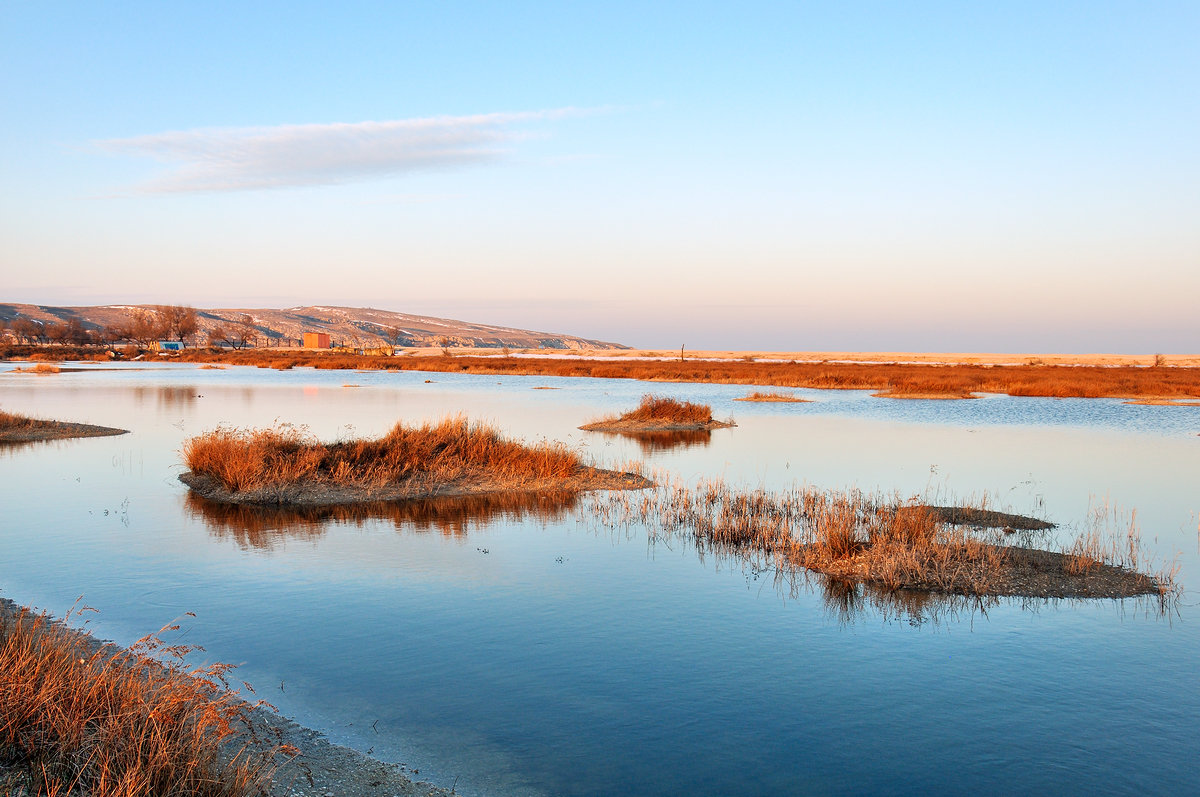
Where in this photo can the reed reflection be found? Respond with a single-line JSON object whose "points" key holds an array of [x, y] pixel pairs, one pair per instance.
{"points": [[265, 528], [166, 397], [658, 441]]}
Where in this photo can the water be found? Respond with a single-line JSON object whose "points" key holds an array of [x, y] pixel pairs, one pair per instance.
{"points": [[521, 649]]}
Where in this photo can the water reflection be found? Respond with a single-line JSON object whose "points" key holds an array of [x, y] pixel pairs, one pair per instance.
{"points": [[265, 528], [167, 396], [653, 442]]}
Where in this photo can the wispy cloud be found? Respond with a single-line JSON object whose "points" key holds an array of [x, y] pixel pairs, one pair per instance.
{"points": [[236, 159]]}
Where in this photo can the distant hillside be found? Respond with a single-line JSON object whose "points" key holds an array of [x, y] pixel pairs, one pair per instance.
{"points": [[351, 326]]}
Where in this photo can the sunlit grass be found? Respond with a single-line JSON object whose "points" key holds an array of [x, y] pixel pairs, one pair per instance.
{"points": [[136, 723], [448, 451], [899, 379]]}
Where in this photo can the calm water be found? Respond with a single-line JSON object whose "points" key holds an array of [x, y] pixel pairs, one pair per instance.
{"points": [[521, 649]]}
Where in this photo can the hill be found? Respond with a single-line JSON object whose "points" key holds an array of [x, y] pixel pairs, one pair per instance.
{"points": [[351, 326]]}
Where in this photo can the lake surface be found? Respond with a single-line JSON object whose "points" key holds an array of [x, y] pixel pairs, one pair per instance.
{"points": [[522, 648]]}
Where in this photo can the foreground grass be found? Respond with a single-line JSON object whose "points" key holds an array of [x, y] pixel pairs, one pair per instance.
{"points": [[283, 465], [889, 545], [78, 719]]}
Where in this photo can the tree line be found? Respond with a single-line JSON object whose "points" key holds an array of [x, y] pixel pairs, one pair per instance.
{"points": [[141, 327]]}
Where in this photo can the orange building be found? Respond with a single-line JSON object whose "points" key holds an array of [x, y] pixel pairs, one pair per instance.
{"points": [[316, 340]]}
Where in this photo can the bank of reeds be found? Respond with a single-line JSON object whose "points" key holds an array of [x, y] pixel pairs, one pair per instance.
{"points": [[14, 422], [448, 457], [1059, 381], [79, 719], [888, 544]]}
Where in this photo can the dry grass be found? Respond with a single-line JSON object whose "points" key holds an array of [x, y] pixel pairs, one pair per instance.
{"points": [[450, 451], [892, 378], [663, 409], [12, 422], [39, 368], [78, 720], [772, 395], [659, 413], [889, 544]]}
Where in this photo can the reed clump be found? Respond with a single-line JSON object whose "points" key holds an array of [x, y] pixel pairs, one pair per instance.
{"points": [[660, 413], [16, 428], [889, 544], [13, 422], [78, 719], [284, 464], [771, 396]]}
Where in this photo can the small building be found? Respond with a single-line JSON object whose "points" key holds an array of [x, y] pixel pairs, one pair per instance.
{"points": [[316, 340], [167, 345]]}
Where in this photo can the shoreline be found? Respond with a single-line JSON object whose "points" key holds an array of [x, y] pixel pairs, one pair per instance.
{"points": [[321, 767], [320, 494], [622, 425], [43, 430]]}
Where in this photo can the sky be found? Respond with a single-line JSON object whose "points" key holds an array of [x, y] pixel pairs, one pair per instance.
{"points": [[918, 176]]}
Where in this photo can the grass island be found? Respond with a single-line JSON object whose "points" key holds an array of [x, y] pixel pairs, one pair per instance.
{"points": [[660, 414], [283, 466], [16, 428]]}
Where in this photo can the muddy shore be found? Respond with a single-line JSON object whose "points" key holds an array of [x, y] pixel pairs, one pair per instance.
{"points": [[624, 425], [320, 493], [40, 430]]}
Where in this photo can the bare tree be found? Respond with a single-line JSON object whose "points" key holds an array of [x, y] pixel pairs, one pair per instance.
{"points": [[243, 332], [178, 321], [218, 336], [27, 330], [72, 332]]}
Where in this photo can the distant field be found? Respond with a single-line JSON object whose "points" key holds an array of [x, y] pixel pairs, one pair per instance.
{"points": [[1166, 378], [1094, 376]]}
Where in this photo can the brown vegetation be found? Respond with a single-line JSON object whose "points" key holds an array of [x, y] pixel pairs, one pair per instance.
{"points": [[1060, 381], [16, 428], [660, 413], [771, 395], [79, 719], [887, 544], [283, 465]]}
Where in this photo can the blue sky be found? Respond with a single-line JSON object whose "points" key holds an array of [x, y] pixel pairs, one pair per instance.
{"points": [[794, 176]]}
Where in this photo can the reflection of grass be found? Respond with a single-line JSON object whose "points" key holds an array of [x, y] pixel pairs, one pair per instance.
{"points": [[263, 527], [658, 440], [76, 720], [888, 544]]}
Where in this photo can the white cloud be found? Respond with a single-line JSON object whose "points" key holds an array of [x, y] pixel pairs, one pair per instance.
{"points": [[235, 159]]}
